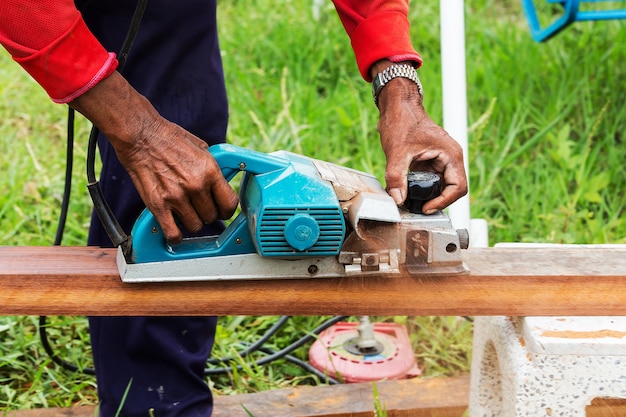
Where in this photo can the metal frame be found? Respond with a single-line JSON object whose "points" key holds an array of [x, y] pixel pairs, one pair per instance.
{"points": [[571, 14]]}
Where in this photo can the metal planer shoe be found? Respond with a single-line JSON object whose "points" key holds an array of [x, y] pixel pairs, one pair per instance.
{"points": [[303, 218]]}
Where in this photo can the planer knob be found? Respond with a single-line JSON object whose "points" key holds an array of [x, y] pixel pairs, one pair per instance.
{"points": [[422, 186], [301, 231]]}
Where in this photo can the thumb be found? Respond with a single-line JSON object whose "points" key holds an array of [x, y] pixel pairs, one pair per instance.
{"points": [[396, 183]]}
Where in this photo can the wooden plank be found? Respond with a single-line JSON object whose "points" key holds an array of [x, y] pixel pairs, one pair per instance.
{"points": [[606, 407], [503, 281], [417, 397], [442, 397]]}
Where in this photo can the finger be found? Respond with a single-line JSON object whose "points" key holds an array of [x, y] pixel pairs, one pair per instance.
{"points": [[189, 217], [225, 198], [397, 194], [448, 196], [450, 193], [198, 142], [205, 207], [396, 181], [159, 209], [170, 229]]}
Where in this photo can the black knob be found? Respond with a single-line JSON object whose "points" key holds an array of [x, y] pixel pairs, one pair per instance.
{"points": [[422, 186]]}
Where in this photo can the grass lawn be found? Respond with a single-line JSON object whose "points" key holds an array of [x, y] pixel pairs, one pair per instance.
{"points": [[547, 125]]}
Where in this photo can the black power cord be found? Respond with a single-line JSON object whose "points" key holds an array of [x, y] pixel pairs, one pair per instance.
{"points": [[69, 164], [256, 345], [306, 366], [69, 158], [105, 214], [272, 355], [281, 354]]}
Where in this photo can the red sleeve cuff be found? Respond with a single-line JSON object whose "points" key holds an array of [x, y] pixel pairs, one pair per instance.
{"points": [[71, 65], [371, 44]]}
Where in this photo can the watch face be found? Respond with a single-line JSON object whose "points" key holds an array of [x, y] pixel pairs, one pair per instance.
{"points": [[377, 85]]}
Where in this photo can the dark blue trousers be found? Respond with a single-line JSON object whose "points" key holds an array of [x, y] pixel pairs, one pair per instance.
{"points": [[175, 62]]}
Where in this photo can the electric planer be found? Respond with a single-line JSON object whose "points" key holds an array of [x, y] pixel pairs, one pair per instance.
{"points": [[303, 218]]}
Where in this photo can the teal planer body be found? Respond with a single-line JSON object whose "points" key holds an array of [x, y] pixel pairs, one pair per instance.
{"points": [[299, 218], [287, 210]]}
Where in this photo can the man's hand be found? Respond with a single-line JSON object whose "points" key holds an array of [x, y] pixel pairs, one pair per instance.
{"points": [[172, 170], [412, 141]]}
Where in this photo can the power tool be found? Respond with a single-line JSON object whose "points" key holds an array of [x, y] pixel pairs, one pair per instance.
{"points": [[303, 218]]}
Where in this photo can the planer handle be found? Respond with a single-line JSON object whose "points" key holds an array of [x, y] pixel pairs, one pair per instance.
{"points": [[233, 159]]}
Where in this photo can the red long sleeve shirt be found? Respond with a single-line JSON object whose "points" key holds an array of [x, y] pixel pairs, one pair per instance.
{"points": [[50, 40]]}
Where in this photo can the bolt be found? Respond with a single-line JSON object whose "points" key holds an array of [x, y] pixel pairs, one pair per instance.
{"points": [[451, 247]]}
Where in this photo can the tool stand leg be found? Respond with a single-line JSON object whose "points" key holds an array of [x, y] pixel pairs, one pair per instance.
{"points": [[546, 366]]}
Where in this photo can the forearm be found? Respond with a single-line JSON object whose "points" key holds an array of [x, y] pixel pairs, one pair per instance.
{"points": [[120, 112]]}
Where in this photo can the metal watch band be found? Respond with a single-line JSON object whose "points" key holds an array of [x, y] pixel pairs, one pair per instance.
{"points": [[394, 71]]}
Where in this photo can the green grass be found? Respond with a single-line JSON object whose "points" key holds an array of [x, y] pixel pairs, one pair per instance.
{"points": [[546, 160]]}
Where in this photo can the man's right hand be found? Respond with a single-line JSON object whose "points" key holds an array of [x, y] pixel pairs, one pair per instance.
{"points": [[172, 170]]}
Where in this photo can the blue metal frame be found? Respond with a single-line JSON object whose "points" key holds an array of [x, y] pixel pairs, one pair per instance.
{"points": [[571, 13]]}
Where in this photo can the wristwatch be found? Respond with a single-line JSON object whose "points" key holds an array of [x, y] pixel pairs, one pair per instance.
{"points": [[394, 71]]}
